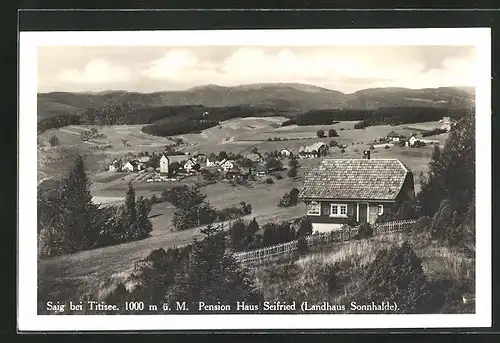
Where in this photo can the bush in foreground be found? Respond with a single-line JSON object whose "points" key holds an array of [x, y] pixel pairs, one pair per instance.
{"points": [[396, 276]]}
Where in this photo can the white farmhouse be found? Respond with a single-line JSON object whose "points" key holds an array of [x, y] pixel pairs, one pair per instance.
{"points": [[115, 166], [285, 152], [164, 164], [211, 160], [412, 140], [190, 164], [226, 165], [131, 166]]}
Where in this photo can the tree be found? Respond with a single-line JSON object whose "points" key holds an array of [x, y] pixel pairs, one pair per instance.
{"points": [[396, 275], [333, 143], [292, 172], [270, 236], [274, 164], [320, 133], [143, 224], [85, 135], [75, 225], [246, 162], [53, 140], [254, 150], [451, 177], [130, 211], [222, 155], [191, 207], [211, 274], [173, 168], [293, 163], [332, 133], [253, 227], [305, 227], [238, 235]]}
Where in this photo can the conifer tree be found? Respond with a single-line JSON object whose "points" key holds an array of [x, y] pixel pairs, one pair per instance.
{"points": [[212, 275], [143, 224], [77, 210]]}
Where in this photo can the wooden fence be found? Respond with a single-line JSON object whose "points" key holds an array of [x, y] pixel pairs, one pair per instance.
{"points": [[320, 239]]}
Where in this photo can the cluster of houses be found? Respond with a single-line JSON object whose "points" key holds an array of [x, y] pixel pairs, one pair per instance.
{"points": [[446, 124], [190, 163], [315, 150], [408, 142]]}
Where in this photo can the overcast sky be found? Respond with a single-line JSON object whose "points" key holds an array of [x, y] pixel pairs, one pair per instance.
{"points": [[347, 69]]}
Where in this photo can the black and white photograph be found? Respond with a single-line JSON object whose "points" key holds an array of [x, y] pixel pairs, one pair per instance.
{"points": [[260, 179]]}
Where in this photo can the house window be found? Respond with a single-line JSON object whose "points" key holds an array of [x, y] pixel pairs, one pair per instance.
{"points": [[380, 209], [314, 209], [338, 210]]}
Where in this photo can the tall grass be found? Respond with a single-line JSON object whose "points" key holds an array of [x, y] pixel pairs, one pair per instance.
{"points": [[450, 273]]}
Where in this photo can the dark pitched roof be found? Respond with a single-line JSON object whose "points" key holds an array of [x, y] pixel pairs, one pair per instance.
{"points": [[375, 179]]}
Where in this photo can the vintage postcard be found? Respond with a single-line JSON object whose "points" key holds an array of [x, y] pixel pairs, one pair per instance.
{"points": [[259, 179]]}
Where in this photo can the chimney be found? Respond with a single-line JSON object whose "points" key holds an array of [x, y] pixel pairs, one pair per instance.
{"points": [[366, 154]]}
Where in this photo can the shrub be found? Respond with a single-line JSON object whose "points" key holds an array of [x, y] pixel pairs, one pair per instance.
{"points": [[53, 140], [332, 133], [423, 225], [396, 276], [365, 231], [278, 177], [237, 235], [292, 172], [289, 199], [441, 220], [387, 147], [302, 247], [305, 228], [269, 181], [320, 133], [333, 143]]}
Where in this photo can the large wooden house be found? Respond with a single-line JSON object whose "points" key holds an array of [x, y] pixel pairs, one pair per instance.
{"points": [[362, 189]]}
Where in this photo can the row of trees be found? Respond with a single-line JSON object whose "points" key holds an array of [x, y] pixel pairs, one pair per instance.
{"points": [[68, 220], [193, 209], [331, 133], [178, 128], [57, 121], [380, 116], [243, 235], [448, 190]]}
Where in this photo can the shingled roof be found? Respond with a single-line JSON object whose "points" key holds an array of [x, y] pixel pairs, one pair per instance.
{"points": [[356, 179]]}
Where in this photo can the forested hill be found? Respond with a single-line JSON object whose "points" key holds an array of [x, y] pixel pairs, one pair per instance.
{"points": [[294, 98]]}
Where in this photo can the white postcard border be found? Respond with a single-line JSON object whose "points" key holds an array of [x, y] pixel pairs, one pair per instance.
{"points": [[29, 320]]}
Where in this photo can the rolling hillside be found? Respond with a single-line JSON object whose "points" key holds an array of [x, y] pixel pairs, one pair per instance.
{"points": [[288, 96]]}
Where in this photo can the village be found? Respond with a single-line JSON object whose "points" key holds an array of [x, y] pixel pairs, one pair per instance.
{"points": [[174, 165]]}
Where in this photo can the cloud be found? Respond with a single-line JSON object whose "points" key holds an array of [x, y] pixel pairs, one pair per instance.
{"points": [[95, 72], [347, 69]]}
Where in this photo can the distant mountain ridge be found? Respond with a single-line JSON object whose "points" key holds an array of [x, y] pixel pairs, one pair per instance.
{"points": [[294, 97]]}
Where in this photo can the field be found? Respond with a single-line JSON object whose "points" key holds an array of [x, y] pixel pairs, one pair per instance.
{"points": [[237, 136]]}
